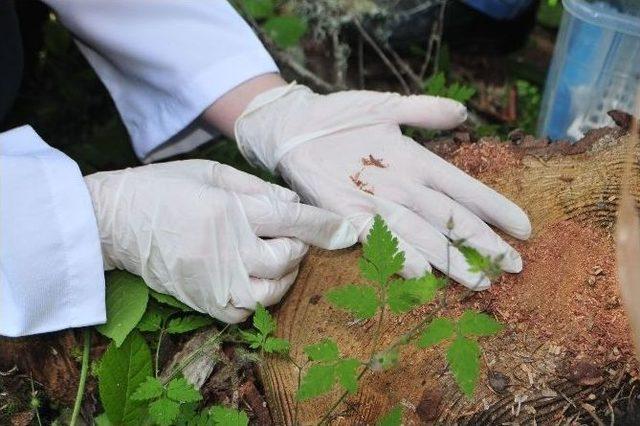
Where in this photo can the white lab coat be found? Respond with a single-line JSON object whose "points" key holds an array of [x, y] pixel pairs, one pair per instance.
{"points": [[163, 62]]}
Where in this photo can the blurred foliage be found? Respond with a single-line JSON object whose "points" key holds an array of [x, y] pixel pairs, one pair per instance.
{"points": [[550, 14], [437, 86], [528, 105], [282, 27]]}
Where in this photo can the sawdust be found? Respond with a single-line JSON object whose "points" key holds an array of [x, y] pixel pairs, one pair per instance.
{"points": [[485, 157], [567, 293]]}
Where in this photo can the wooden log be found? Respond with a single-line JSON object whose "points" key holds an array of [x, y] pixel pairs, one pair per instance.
{"points": [[578, 192]]}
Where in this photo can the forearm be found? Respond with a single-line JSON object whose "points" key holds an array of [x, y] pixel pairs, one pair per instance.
{"points": [[224, 112]]}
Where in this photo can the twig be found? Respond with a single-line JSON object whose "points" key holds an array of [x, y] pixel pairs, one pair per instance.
{"points": [[434, 40], [382, 56], [406, 68], [83, 378], [287, 59], [360, 63], [438, 37]]}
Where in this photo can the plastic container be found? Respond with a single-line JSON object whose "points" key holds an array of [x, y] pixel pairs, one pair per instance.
{"points": [[595, 67]]}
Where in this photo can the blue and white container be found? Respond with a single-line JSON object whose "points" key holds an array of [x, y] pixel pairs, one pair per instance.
{"points": [[595, 67]]}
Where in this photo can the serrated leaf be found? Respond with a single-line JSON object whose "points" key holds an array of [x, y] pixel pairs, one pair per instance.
{"points": [[359, 300], [169, 300], [276, 345], [438, 330], [122, 370], [254, 339], [404, 295], [435, 85], [182, 391], [285, 31], [463, 356], [473, 323], [258, 9], [392, 418], [318, 380], [380, 255], [126, 301], [164, 412], [263, 321], [188, 323], [479, 263], [326, 350], [225, 416], [151, 320], [149, 389], [347, 372]]}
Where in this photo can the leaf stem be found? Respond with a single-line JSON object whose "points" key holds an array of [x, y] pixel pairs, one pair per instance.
{"points": [[157, 355], [83, 377], [33, 394]]}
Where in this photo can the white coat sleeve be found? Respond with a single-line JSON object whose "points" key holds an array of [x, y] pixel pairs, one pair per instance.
{"points": [[165, 61], [51, 273]]}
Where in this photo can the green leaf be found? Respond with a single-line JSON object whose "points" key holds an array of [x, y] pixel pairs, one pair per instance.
{"points": [[126, 301], [263, 321], [182, 391], [276, 345], [225, 416], [359, 300], [254, 339], [347, 373], [151, 320], [404, 295], [460, 92], [318, 380], [464, 360], [258, 9], [169, 300], [188, 323], [473, 323], [151, 388], [122, 370], [102, 420], [380, 255], [326, 350], [392, 418], [478, 263], [438, 330], [285, 31], [164, 412], [435, 85]]}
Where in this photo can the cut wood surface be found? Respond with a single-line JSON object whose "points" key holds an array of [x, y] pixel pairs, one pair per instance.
{"points": [[566, 346]]}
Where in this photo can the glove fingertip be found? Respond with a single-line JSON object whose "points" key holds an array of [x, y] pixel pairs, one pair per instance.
{"points": [[342, 236]]}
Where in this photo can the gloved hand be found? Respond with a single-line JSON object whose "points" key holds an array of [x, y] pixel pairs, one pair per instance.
{"points": [[193, 229], [345, 152]]}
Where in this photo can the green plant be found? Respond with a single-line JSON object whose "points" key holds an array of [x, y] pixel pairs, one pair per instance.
{"points": [[381, 259], [436, 85], [528, 105], [129, 385], [281, 27]]}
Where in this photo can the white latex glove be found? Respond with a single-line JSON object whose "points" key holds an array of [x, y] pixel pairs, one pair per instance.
{"points": [[345, 152], [193, 229]]}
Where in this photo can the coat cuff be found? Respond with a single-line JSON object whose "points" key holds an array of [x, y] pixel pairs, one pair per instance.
{"points": [[51, 273]]}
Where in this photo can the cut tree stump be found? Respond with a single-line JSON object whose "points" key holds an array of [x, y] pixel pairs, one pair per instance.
{"points": [[558, 357]]}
